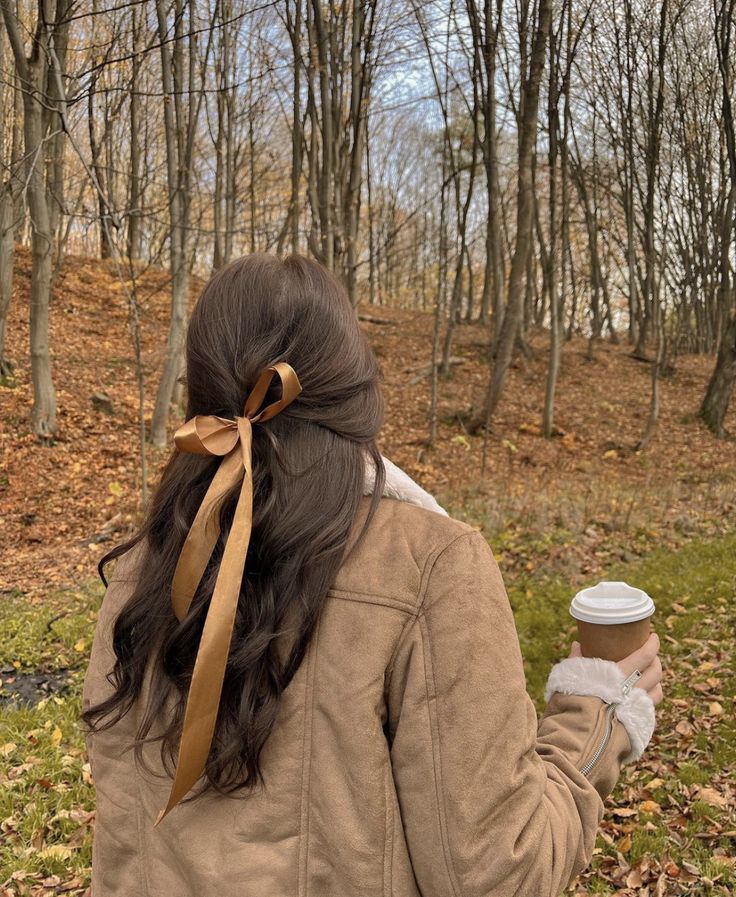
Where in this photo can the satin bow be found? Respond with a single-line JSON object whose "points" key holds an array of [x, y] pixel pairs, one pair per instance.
{"points": [[230, 439]]}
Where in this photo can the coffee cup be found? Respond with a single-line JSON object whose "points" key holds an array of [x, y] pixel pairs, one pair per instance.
{"points": [[613, 619]]}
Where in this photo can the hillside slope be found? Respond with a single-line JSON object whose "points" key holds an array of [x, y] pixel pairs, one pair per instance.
{"points": [[64, 504]]}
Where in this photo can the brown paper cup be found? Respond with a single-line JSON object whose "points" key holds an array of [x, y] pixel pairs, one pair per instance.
{"points": [[614, 641]]}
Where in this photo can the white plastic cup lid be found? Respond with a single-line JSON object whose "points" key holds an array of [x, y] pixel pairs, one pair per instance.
{"points": [[611, 602]]}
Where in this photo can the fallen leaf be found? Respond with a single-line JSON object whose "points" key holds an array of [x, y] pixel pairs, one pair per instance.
{"points": [[710, 796], [684, 728], [55, 851]]}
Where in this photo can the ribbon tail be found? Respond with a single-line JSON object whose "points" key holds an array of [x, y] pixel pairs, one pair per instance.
{"points": [[203, 535], [200, 715]]}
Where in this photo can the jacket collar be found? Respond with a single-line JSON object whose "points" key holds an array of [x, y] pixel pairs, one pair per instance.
{"points": [[401, 486]]}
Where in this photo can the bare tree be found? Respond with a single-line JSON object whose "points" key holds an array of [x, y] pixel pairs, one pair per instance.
{"points": [[39, 126], [11, 187], [340, 72], [622, 221], [226, 69], [294, 19], [519, 264], [181, 80], [720, 388], [135, 189], [486, 29]]}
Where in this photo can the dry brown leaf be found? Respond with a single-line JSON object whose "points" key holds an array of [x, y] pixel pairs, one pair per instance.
{"points": [[710, 796], [684, 728]]}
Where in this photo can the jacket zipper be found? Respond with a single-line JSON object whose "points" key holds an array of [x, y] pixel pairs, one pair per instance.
{"points": [[601, 746]]}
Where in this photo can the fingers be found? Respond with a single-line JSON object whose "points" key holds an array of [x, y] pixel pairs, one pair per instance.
{"points": [[652, 676], [642, 657], [646, 660]]}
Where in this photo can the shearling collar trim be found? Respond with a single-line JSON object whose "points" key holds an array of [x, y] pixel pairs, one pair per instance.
{"points": [[401, 486]]}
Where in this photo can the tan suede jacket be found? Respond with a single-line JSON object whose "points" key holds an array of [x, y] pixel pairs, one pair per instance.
{"points": [[408, 758]]}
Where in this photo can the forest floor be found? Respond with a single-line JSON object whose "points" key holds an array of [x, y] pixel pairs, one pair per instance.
{"points": [[557, 512]]}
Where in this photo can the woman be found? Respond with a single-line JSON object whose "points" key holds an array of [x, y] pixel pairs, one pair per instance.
{"points": [[323, 660]]}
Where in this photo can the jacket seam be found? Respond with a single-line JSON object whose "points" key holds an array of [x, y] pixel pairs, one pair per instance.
{"points": [[437, 755], [388, 831], [303, 868], [434, 728], [391, 600], [431, 564], [427, 570], [368, 598], [141, 840]]}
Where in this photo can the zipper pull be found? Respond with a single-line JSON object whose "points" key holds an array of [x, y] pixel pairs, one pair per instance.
{"points": [[630, 682]]}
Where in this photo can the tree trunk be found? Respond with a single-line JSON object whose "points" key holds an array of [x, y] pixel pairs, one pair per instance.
{"points": [[721, 385], [527, 140], [9, 192], [440, 302], [32, 74], [485, 31], [720, 388], [294, 28], [135, 193], [177, 129], [100, 171], [551, 260], [56, 138], [462, 209], [218, 254], [7, 253]]}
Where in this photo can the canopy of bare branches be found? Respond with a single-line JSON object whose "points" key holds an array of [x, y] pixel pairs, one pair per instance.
{"points": [[569, 165]]}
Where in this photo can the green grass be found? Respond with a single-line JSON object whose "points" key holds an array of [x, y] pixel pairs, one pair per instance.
{"points": [[694, 590], [46, 793], [51, 634], [692, 774], [700, 577]]}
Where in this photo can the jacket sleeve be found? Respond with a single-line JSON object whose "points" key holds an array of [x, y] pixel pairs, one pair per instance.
{"points": [[493, 803]]}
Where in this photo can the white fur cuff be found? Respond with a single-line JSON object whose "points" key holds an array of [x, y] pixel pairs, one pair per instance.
{"points": [[603, 679]]}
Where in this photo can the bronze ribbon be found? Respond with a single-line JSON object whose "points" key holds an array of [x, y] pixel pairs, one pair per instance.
{"points": [[230, 439]]}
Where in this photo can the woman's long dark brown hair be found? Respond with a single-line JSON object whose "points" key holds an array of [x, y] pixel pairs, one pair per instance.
{"points": [[308, 479]]}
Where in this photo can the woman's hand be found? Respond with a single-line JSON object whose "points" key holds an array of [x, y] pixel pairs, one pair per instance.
{"points": [[646, 660]]}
